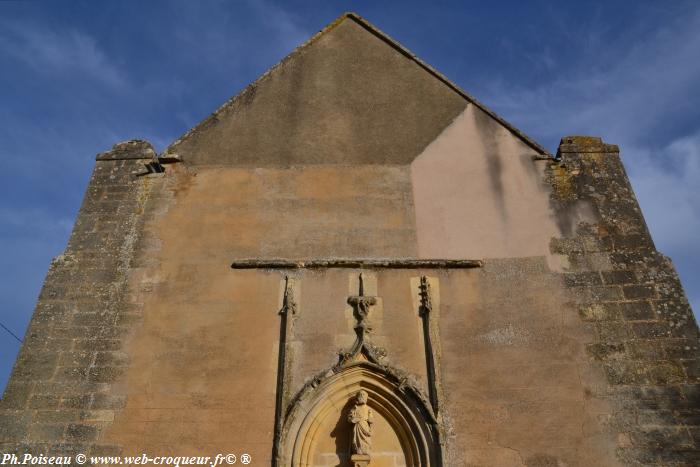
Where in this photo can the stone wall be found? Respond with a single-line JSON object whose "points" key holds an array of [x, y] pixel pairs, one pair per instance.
{"points": [[571, 343], [646, 339], [144, 340], [60, 394]]}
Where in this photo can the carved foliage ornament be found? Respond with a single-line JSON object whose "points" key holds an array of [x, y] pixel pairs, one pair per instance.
{"points": [[361, 305]]}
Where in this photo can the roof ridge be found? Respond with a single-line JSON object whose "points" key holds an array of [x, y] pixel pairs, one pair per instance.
{"points": [[390, 41], [260, 78], [405, 51]]}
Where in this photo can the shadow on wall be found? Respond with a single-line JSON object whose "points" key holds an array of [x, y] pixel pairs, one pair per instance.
{"points": [[342, 433]]}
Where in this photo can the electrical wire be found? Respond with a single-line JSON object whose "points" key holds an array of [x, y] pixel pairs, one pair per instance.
{"points": [[11, 333]]}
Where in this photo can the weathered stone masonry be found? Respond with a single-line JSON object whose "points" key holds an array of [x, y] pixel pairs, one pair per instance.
{"points": [[646, 336], [554, 333], [60, 394]]}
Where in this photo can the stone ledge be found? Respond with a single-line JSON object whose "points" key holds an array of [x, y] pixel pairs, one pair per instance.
{"points": [[585, 144], [406, 263], [132, 149]]}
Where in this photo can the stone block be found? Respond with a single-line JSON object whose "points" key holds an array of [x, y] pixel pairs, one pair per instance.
{"points": [[80, 401], [657, 418], [575, 279], [613, 331], [689, 457], [650, 329], [108, 401], [16, 394], [619, 277], [605, 351], [664, 373], [61, 416], [98, 416], [105, 374], [35, 366], [76, 358], [681, 349], [635, 292], [636, 456], [692, 369], [42, 432], [70, 374], [600, 293], [43, 401], [14, 425], [662, 437], [599, 312], [636, 311], [97, 344], [624, 372], [644, 349], [82, 433]]}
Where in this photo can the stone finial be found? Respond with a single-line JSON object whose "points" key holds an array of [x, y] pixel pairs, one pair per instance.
{"points": [[289, 305], [426, 301], [361, 304]]}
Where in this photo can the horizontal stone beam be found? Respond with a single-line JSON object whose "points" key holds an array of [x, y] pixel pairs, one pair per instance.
{"points": [[407, 263]]}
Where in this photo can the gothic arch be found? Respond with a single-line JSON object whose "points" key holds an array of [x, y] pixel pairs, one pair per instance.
{"points": [[401, 404]]}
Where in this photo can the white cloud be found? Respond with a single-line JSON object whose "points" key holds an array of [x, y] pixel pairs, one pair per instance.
{"points": [[48, 51], [621, 92], [631, 93], [669, 192]]}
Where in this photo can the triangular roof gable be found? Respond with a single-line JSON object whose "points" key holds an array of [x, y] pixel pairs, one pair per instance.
{"points": [[395, 44], [248, 94]]}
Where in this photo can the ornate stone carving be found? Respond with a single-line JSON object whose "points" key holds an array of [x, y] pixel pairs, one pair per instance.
{"points": [[361, 417], [424, 310], [287, 312], [361, 374], [426, 301], [361, 305], [288, 303]]}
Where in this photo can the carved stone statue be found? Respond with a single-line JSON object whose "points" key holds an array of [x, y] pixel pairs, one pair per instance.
{"points": [[362, 418]]}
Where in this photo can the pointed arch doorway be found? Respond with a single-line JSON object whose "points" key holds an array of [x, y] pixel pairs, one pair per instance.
{"points": [[318, 433], [360, 411]]}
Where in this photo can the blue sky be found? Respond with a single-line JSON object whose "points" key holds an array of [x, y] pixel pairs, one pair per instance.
{"points": [[79, 76]]}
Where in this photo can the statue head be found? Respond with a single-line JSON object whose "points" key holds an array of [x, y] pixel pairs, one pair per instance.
{"points": [[362, 397]]}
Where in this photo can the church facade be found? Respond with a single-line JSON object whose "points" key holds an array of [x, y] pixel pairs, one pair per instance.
{"points": [[353, 262]]}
